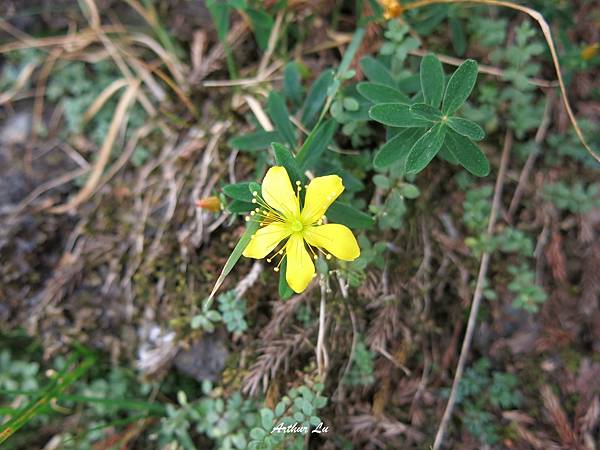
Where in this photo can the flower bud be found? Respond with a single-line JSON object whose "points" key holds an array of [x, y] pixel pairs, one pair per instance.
{"points": [[212, 204]]}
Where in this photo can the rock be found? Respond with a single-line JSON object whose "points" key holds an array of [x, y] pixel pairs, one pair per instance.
{"points": [[205, 359]]}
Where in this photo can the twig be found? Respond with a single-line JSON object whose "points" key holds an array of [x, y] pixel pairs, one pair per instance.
{"points": [[271, 45], [104, 154], [483, 68], [259, 113], [483, 268], [344, 291], [539, 138], [246, 283], [322, 356]]}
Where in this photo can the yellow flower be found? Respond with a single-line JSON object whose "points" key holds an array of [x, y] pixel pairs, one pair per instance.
{"points": [[391, 8], [303, 229], [590, 51]]}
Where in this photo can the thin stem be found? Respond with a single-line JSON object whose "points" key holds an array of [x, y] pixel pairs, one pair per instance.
{"points": [[322, 356], [483, 268]]}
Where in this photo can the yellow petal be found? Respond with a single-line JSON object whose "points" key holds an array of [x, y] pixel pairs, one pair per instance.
{"points": [[336, 239], [265, 240], [320, 194], [300, 267], [278, 192]]}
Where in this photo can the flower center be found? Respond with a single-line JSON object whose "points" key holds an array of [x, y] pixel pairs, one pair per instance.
{"points": [[296, 226]]}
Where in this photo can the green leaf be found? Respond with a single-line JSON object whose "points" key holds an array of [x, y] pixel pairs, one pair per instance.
{"points": [[62, 381], [314, 421], [425, 149], [409, 191], [285, 291], [262, 24], [350, 104], [280, 409], [467, 154], [233, 258], [424, 111], [315, 145], [432, 80], [410, 84], [348, 215], [292, 87], [254, 187], [258, 140], [466, 128], [396, 115], [321, 266], [238, 191], [257, 433], [307, 408], [459, 40], [376, 72], [446, 155], [219, 12], [381, 181], [397, 148], [315, 98], [357, 37], [238, 207], [266, 418], [380, 93], [281, 118], [460, 86], [283, 157]]}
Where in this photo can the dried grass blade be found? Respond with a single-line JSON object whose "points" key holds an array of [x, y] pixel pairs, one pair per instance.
{"points": [[118, 120], [104, 96]]}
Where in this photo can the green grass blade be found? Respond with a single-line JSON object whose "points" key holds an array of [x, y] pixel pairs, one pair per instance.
{"points": [[63, 380], [233, 259]]}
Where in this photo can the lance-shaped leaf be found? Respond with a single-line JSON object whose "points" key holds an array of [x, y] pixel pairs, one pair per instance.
{"points": [[281, 118], [258, 140], [239, 207], [238, 191], [285, 291], [467, 154], [235, 255], [348, 215], [427, 112], [425, 149], [283, 157], [396, 115], [459, 87], [446, 155], [315, 98], [466, 128], [432, 80], [315, 144], [380, 93], [376, 72], [292, 87], [397, 148]]}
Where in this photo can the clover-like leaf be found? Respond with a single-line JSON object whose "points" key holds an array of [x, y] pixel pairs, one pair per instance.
{"points": [[460, 86], [397, 147], [425, 149], [380, 93], [466, 128], [396, 115], [467, 154], [432, 80], [427, 112]]}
